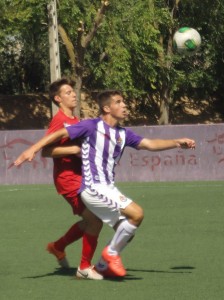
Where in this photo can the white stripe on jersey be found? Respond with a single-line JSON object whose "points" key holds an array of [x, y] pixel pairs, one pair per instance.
{"points": [[110, 161], [100, 139], [122, 134]]}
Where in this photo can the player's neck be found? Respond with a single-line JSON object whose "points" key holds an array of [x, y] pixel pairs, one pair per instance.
{"points": [[69, 112], [111, 121]]}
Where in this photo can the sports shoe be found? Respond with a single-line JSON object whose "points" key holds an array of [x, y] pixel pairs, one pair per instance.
{"points": [[88, 273], [102, 267], [106, 272], [114, 263], [60, 255]]}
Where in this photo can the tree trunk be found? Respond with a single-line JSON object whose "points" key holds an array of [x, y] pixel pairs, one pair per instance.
{"points": [[77, 54], [164, 113], [166, 65], [78, 86], [165, 101]]}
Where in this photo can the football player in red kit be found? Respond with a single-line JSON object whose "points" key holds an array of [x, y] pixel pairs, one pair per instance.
{"points": [[67, 180]]}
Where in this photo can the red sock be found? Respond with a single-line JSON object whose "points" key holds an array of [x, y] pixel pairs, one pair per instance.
{"points": [[72, 235], [89, 243]]}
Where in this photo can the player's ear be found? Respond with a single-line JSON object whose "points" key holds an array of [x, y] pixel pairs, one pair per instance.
{"points": [[57, 99], [106, 108]]}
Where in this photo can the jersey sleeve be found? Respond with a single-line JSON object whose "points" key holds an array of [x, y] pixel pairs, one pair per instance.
{"points": [[54, 125], [81, 130], [132, 139]]}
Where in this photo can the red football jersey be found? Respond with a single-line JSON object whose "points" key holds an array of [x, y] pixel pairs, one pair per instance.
{"points": [[67, 170]]}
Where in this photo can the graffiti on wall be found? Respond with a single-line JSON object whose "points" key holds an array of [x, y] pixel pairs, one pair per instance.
{"points": [[167, 161], [216, 144], [9, 149], [204, 163]]}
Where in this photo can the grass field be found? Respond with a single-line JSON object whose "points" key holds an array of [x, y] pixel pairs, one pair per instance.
{"points": [[177, 254]]}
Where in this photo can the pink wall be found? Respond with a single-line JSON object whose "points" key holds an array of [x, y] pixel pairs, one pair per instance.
{"points": [[206, 162]]}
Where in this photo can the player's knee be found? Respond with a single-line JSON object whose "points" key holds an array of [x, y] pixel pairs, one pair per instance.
{"points": [[98, 224], [93, 223], [134, 213], [139, 216], [94, 226]]}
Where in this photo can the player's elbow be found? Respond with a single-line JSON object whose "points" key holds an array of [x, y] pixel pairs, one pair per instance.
{"points": [[146, 144]]}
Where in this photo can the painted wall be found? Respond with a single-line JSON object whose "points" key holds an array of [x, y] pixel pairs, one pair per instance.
{"points": [[206, 162]]}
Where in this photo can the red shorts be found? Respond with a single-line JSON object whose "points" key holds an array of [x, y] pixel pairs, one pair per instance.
{"points": [[75, 202]]}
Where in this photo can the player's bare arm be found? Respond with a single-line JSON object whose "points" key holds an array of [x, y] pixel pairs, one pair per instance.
{"points": [[29, 154], [159, 144], [61, 151]]}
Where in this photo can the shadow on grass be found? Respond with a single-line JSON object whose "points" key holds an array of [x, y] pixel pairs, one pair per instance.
{"points": [[174, 270], [58, 272], [183, 268], [128, 277], [72, 271]]}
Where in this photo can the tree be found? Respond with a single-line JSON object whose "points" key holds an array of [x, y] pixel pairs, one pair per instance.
{"points": [[23, 46], [132, 50], [76, 50]]}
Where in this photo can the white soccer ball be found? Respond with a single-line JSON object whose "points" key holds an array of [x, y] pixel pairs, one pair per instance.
{"points": [[186, 40]]}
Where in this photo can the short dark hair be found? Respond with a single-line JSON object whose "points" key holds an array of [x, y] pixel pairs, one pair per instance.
{"points": [[54, 87], [104, 98]]}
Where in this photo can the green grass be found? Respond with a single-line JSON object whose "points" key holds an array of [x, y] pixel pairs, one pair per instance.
{"points": [[177, 254]]}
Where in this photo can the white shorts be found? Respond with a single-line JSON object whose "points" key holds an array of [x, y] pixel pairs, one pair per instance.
{"points": [[105, 201]]}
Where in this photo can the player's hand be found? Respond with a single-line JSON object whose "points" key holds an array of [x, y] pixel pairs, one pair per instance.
{"points": [[186, 143], [27, 155]]}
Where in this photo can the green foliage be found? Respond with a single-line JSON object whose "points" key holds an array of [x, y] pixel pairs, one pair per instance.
{"points": [[207, 18], [23, 46], [128, 53], [131, 51]]}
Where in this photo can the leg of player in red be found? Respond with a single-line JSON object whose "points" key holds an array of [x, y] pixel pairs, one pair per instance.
{"points": [[88, 229], [57, 248]]}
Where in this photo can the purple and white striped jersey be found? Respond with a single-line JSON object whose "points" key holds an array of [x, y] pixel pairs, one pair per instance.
{"points": [[102, 147]]}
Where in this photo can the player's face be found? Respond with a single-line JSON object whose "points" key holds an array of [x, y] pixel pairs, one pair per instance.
{"points": [[118, 108], [67, 97]]}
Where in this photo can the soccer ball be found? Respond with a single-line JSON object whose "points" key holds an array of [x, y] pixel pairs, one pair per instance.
{"points": [[186, 40]]}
